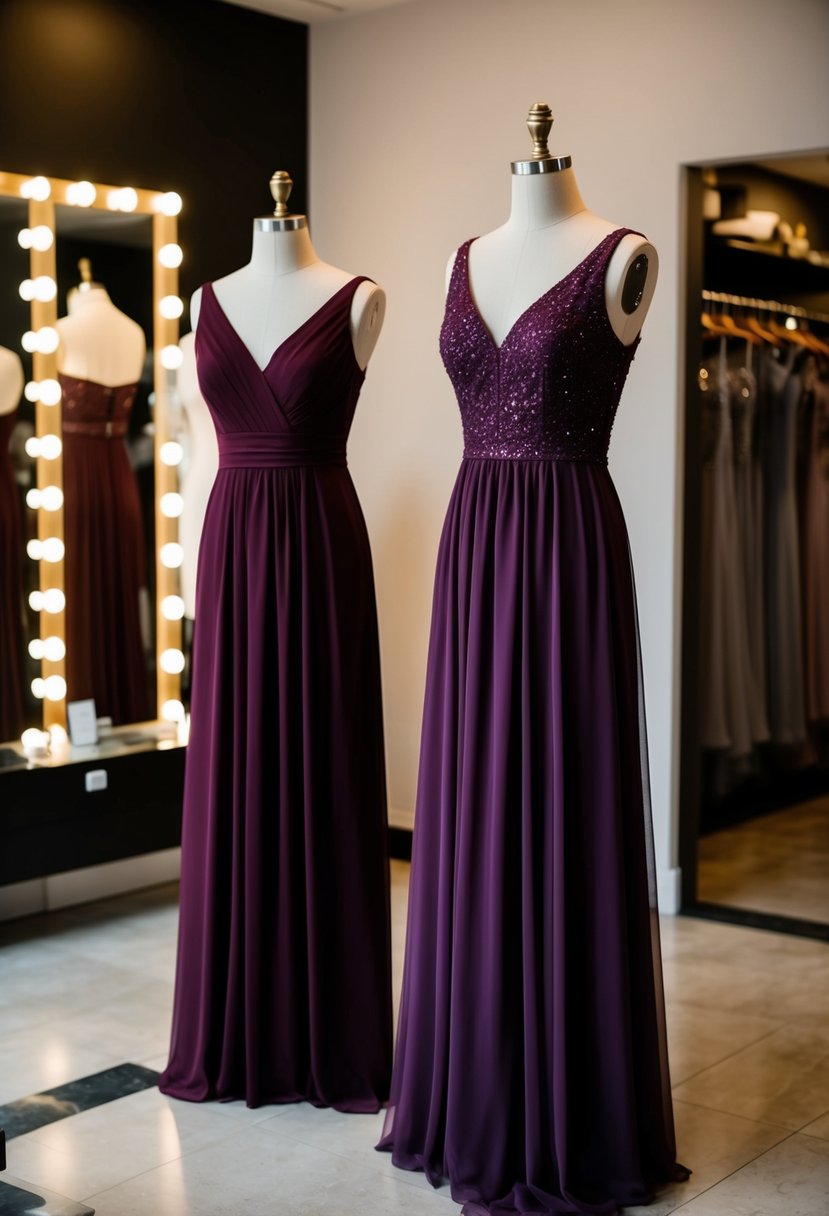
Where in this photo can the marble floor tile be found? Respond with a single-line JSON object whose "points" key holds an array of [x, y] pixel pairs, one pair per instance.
{"points": [[105, 1146], [698, 1038], [712, 1145], [346, 1135], [819, 1128], [782, 1079], [791, 1179], [263, 1173]]}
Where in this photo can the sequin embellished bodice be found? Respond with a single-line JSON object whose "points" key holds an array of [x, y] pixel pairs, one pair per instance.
{"points": [[551, 389]]}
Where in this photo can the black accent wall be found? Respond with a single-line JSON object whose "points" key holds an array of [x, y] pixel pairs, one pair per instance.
{"points": [[197, 96]]}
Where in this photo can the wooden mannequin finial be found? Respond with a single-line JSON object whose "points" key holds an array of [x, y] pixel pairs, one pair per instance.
{"points": [[85, 267]]}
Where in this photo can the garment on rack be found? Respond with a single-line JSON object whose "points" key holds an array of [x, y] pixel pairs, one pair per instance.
{"points": [[732, 709], [815, 551], [782, 388]]}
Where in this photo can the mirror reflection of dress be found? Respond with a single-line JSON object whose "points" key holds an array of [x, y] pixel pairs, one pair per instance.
{"points": [[12, 672], [100, 361]]}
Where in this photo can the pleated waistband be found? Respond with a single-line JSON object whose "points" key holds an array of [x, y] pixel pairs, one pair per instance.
{"points": [[268, 450]]}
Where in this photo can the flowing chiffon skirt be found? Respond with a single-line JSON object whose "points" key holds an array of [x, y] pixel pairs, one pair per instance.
{"points": [[531, 1067], [283, 989]]}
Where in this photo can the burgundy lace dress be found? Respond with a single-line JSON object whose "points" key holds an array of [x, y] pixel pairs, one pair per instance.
{"points": [[531, 1066]]}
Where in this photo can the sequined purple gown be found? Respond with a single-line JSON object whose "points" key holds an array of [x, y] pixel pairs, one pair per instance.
{"points": [[531, 1067], [283, 984]]}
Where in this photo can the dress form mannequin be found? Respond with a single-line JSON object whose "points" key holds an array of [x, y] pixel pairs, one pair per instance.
{"points": [[200, 472], [548, 233], [98, 342], [285, 283], [11, 380]]}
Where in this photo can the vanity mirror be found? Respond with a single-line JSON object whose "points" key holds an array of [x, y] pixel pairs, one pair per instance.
{"points": [[89, 501]]}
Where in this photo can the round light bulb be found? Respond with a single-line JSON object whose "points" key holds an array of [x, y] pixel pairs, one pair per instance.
{"points": [[34, 548], [53, 549], [37, 188], [50, 447], [52, 498], [81, 194], [39, 687], [171, 453], [168, 204], [35, 742], [32, 391], [172, 505], [29, 342], [170, 256], [45, 288], [54, 649], [172, 711], [27, 290], [24, 238], [171, 358], [36, 601], [172, 555], [171, 307], [172, 661], [58, 735], [172, 607], [55, 688], [34, 498], [36, 649], [48, 339], [33, 447], [50, 393], [42, 238], [54, 600]]}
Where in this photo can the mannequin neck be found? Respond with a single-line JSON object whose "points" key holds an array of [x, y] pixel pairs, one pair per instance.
{"points": [[83, 297], [281, 252], [540, 200]]}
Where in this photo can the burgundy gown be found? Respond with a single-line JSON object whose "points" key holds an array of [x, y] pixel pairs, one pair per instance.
{"points": [[531, 1066], [12, 653], [106, 561], [283, 985]]}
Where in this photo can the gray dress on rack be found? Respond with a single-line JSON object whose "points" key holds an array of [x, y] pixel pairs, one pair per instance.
{"points": [[784, 634], [816, 555]]}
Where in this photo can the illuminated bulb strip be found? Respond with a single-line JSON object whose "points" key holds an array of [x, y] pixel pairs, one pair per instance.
{"points": [[172, 505], [172, 607], [171, 307], [172, 661], [53, 601], [172, 555], [172, 711], [170, 255], [124, 199], [167, 204], [171, 453]]}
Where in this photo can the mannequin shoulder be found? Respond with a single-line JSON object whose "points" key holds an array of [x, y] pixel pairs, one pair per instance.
{"points": [[368, 311], [630, 282], [195, 308]]}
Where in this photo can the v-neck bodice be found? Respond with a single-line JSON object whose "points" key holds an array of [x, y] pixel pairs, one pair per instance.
{"points": [[298, 409], [551, 389]]}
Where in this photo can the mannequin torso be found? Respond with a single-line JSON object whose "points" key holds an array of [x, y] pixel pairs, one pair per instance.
{"points": [[99, 342], [284, 284], [548, 233], [11, 380]]}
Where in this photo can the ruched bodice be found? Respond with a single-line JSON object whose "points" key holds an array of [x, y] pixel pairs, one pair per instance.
{"points": [[551, 389], [298, 409]]}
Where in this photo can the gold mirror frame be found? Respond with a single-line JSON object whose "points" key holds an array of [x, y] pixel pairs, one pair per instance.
{"points": [[42, 195]]}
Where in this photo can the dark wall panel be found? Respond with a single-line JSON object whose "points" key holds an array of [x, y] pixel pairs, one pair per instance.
{"points": [[196, 96]]}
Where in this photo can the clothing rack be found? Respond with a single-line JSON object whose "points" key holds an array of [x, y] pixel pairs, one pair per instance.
{"points": [[791, 310]]}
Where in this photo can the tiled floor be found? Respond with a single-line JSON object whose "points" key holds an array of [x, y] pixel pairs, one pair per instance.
{"points": [[777, 863], [85, 989]]}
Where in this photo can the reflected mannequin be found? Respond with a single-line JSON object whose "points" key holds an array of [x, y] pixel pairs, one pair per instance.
{"points": [[100, 360], [12, 674], [198, 471]]}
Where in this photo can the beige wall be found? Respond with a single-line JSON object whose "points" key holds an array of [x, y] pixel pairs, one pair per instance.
{"points": [[416, 113]]}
